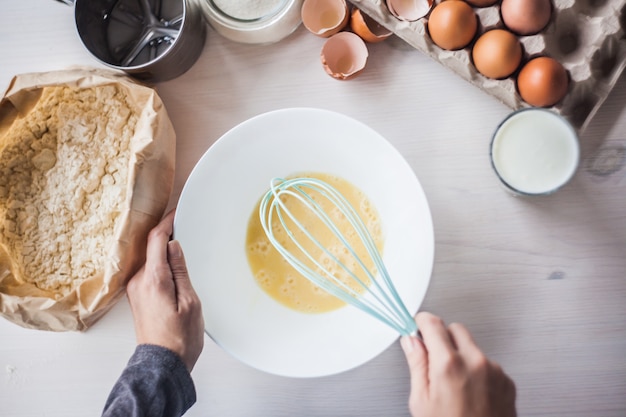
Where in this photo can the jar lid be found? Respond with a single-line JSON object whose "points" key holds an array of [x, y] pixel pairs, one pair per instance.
{"points": [[253, 21]]}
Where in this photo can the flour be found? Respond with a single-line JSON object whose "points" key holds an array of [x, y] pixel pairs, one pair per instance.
{"points": [[63, 176], [248, 9]]}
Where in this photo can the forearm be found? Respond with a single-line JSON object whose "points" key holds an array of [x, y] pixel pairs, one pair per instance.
{"points": [[155, 383]]}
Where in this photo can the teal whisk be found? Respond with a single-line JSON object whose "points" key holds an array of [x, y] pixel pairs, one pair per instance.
{"points": [[379, 299]]}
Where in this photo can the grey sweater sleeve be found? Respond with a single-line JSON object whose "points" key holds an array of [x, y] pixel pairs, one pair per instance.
{"points": [[155, 383]]}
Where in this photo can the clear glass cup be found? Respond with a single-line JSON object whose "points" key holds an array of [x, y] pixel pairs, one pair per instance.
{"points": [[253, 21], [534, 151]]}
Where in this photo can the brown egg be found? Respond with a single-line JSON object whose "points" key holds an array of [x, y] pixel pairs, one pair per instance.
{"points": [[367, 28], [452, 24], [482, 3], [526, 17], [542, 82], [344, 55], [497, 53], [325, 17]]}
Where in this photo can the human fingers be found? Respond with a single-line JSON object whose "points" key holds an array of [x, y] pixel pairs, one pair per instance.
{"points": [[417, 361], [156, 253], [465, 344], [435, 335], [178, 266]]}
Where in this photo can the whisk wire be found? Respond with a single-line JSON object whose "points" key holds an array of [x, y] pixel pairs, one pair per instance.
{"points": [[380, 300], [301, 266], [322, 215], [365, 237]]}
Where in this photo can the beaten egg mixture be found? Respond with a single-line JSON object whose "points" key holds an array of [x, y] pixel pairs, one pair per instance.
{"points": [[281, 281]]}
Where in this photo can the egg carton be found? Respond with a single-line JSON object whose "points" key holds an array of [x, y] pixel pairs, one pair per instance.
{"points": [[588, 37]]}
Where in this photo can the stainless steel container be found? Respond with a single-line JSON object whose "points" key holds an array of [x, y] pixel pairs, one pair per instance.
{"points": [[152, 40]]}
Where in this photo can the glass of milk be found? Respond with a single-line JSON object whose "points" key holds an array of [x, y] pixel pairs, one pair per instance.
{"points": [[534, 151]]}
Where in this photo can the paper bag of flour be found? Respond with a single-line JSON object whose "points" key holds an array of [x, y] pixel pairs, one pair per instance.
{"points": [[86, 170]]}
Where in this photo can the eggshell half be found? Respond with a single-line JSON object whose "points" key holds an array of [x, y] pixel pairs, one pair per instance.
{"points": [[409, 10], [344, 55], [324, 18], [367, 28]]}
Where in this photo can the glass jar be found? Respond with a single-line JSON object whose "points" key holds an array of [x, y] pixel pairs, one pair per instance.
{"points": [[250, 21]]}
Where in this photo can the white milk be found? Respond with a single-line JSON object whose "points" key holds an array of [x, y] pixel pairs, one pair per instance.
{"points": [[535, 151]]}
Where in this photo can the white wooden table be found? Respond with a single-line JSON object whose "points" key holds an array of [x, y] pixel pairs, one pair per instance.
{"points": [[540, 282]]}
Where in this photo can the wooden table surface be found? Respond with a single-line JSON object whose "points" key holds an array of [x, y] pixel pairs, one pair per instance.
{"points": [[541, 282]]}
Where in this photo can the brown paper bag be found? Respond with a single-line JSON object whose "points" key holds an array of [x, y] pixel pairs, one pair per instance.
{"points": [[150, 181]]}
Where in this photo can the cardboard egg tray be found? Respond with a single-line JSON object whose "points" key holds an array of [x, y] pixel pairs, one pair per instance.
{"points": [[588, 37]]}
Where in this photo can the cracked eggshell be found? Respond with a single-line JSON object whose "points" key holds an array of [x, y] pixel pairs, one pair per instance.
{"points": [[409, 10], [324, 18], [367, 28], [344, 55]]}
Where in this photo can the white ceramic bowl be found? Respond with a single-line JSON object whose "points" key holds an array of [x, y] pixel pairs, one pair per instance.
{"points": [[211, 224]]}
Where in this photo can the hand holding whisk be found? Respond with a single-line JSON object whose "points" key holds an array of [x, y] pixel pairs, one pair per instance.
{"points": [[345, 274]]}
